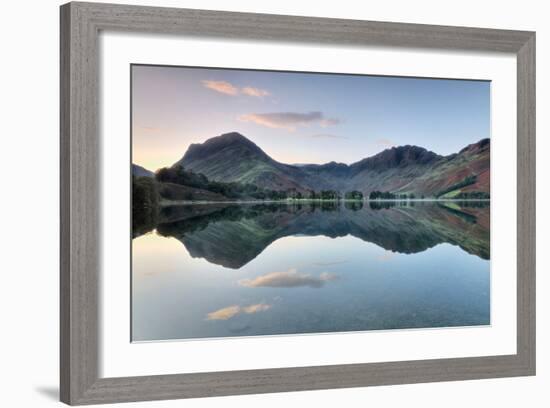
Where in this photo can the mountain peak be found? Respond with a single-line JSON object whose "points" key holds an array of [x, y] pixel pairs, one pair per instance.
{"points": [[223, 140], [231, 137], [139, 171], [399, 156], [477, 147], [232, 142]]}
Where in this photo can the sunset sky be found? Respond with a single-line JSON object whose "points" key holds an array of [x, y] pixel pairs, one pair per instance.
{"points": [[301, 118]]}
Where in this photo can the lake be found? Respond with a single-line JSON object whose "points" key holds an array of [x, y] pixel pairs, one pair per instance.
{"points": [[226, 270]]}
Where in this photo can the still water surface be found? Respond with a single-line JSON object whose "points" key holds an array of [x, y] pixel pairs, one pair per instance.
{"points": [[225, 270]]}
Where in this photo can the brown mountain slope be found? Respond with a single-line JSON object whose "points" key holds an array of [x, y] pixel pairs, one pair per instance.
{"points": [[473, 160]]}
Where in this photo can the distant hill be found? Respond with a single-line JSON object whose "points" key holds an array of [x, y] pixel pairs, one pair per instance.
{"points": [[231, 157], [139, 171]]}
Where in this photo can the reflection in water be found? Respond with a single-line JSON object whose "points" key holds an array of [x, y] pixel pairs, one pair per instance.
{"points": [[233, 235], [231, 311], [354, 205], [289, 279], [262, 269]]}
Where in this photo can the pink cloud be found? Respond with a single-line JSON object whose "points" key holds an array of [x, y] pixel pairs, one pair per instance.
{"points": [[257, 92], [289, 279], [329, 122], [221, 87], [288, 120], [228, 88], [231, 311]]}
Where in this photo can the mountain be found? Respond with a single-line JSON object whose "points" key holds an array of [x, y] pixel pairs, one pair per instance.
{"points": [[232, 235], [396, 157], [472, 161], [231, 157], [412, 169], [139, 171]]}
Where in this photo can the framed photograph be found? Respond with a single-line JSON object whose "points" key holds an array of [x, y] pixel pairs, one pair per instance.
{"points": [[262, 203]]}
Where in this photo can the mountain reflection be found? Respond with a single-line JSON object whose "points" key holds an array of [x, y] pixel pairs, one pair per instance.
{"points": [[232, 235]]}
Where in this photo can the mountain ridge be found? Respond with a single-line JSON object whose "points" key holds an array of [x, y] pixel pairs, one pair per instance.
{"points": [[140, 171], [231, 157]]}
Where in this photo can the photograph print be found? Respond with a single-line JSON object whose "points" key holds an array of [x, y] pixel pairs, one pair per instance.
{"points": [[291, 203]]}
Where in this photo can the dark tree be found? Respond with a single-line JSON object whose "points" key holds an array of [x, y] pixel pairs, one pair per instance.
{"points": [[144, 204], [354, 195]]}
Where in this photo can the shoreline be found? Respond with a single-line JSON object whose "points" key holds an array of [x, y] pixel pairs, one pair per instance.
{"points": [[167, 203]]}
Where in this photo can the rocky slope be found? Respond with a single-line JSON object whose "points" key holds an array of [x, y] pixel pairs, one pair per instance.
{"points": [[407, 169]]}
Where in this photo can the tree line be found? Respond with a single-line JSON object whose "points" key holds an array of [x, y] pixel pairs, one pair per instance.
{"points": [[233, 190], [179, 175], [144, 204], [472, 195], [386, 195]]}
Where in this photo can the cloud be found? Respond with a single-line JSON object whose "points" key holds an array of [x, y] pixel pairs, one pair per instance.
{"points": [[386, 256], [224, 314], [149, 128], [288, 279], [327, 136], [231, 311], [330, 122], [260, 307], [288, 120], [385, 142], [221, 87], [228, 88], [257, 92]]}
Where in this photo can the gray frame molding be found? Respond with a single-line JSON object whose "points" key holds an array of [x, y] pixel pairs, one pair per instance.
{"points": [[80, 234]]}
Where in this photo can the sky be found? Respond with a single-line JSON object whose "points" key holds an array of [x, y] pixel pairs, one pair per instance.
{"points": [[300, 118]]}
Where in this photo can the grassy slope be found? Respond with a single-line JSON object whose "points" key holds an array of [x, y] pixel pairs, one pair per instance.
{"points": [[177, 192], [449, 172], [235, 164]]}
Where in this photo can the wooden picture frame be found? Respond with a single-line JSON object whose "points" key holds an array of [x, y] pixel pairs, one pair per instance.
{"points": [[80, 233]]}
